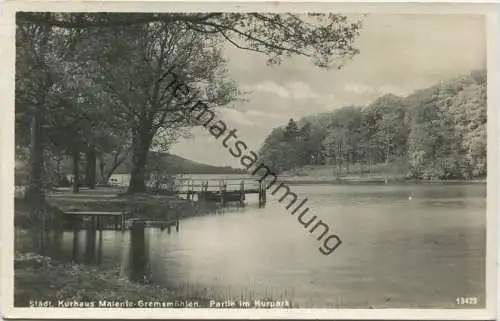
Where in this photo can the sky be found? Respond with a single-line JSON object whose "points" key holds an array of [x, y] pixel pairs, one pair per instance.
{"points": [[398, 54]]}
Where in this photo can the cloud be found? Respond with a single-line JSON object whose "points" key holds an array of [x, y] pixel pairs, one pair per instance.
{"points": [[358, 88], [372, 92], [290, 90], [301, 90], [268, 86], [263, 114], [236, 117]]}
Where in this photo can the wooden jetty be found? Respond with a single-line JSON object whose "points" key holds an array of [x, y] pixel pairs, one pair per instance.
{"points": [[162, 224], [98, 219], [223, 191], [118, 221]]}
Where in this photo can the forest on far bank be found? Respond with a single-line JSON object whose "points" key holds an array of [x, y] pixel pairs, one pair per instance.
{"points": [[434, 133]]}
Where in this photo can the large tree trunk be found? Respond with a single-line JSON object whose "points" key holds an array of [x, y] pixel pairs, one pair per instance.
{"points": [[90, 167], [387, 152], [76, 171], [141, 141], [34, 193], [102, 177]]}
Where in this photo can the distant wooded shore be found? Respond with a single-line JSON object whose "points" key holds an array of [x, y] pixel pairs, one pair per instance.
{"points": [[376, 181], [435, 133]]}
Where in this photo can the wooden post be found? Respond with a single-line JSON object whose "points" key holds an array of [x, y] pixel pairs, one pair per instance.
{"points": [[221, 189], [224, 189], [262, 195], [177, 221], [123, 222], [242, 193]]}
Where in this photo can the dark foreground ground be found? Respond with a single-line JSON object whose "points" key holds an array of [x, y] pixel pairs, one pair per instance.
{"points": [[39, 280]]}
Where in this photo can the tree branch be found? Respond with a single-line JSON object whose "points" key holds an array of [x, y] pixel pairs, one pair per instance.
{"points": [[107, 19]]}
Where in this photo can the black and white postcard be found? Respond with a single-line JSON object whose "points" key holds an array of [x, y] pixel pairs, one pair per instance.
{"points": [[258, 160]]}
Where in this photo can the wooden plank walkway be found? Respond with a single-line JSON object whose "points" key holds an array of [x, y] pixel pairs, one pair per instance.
{"points": [[88, 213], [119, 220], [162, 224], [98, 218]]}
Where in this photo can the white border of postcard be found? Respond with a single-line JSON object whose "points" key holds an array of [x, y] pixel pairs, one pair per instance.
{"points": [[7, 63]]}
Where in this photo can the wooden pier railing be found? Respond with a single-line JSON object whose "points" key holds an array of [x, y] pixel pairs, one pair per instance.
{"points": [[222, 191]]}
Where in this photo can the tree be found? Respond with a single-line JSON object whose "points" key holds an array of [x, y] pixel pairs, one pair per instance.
{"points": [[136, 46], [463, 107], [291, 131], [448, 132], [143, 68], [39, 52], [439, 132], [305, 148], [321, 37], [342, 138], [388, 131], [335, 148], [277, 152], [32, 47], [313, 145]]}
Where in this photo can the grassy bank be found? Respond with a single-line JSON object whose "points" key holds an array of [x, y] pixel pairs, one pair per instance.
{"points": [[40, 278], [142, 205], [106, 199], [396, 172], [392, 171]]}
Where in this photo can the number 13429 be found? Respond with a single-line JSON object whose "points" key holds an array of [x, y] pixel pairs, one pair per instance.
{"points": [[466, 300]]}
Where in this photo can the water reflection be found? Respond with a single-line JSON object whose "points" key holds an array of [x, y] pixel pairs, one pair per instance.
{"points": [[138, 260], [93, 247], [393, 249], [43, 242], [90, 247], [74, 256]]}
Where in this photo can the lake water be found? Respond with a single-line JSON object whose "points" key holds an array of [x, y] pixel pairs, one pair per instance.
{"points": [[396, 252]]}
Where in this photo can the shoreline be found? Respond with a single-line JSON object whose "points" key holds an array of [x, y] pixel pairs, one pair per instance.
{"points": [[146, 206], [297, 180], [43, 282]]}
